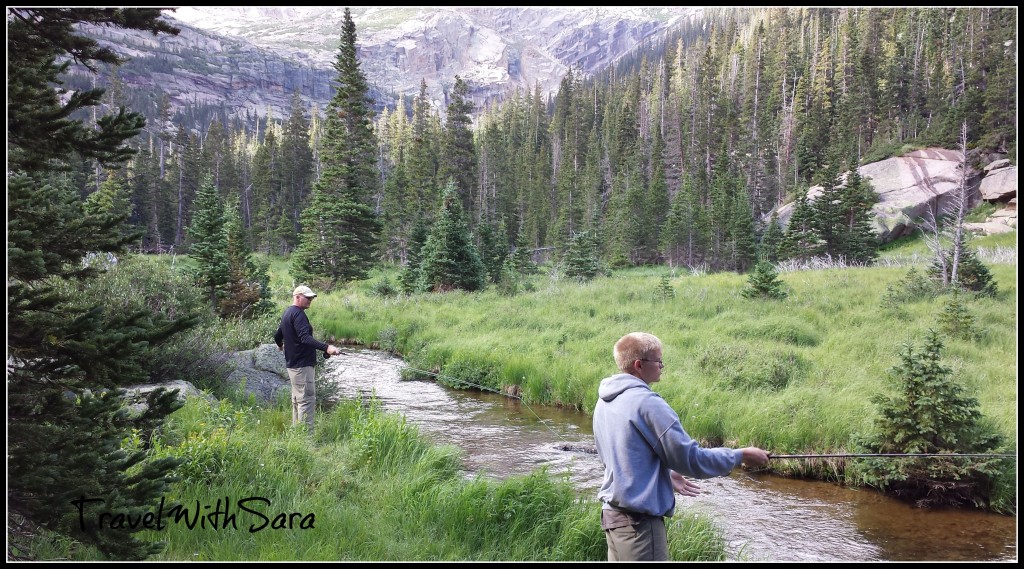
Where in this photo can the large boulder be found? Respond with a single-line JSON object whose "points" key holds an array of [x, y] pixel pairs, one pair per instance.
{"points": [[260, 371], [908, 187]]}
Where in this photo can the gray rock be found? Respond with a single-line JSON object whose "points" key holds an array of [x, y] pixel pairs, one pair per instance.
{"points": [[135, 396], [999, 185], [908, 187], [260, 371]]}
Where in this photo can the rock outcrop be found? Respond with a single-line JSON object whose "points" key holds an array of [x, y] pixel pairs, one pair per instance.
{"points": [[923, 181], [254, 58]]}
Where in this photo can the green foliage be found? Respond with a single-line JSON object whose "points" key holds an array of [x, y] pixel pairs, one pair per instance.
{"points": [[915, 286], [764, 282], [210, 242], [68, 360], [449, 259], [384, 288], [771, 241], [929, 413], [956, 320], [581, 261], [665, 290], [971, 273], [340, 227]]}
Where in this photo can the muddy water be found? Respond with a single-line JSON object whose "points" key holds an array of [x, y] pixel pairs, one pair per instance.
{"points": [[762, 517]]}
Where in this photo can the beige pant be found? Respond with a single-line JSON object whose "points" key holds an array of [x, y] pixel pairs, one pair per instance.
{"points": [[303, 394], [645, 540]]}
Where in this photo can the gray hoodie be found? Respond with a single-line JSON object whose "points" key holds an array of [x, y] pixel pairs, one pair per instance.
{"points": [[639, 438]]}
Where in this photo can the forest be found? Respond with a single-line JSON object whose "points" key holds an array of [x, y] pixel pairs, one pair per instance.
{"points": [[678, 155]]}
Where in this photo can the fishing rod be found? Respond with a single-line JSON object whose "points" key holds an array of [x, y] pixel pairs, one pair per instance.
{"points": [[892, 455]]}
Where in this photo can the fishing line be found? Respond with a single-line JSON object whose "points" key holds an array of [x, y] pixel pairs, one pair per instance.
{"points": [[456, 381]]}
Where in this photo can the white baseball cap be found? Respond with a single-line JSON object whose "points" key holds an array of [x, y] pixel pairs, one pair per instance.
{"points": [[304, 291]]}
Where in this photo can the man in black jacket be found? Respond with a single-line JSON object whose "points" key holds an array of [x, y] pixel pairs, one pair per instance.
{"points": [[295, 337]]}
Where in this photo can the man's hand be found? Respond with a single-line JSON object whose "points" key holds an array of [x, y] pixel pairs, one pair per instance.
{"points": [[753, 456], [683, 486], [333, 351], [280, 348]]}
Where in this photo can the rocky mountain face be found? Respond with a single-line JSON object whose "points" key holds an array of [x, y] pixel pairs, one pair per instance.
{"points": [[257, 57]]}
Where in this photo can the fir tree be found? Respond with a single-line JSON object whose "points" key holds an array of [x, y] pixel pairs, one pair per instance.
{"points": [[449, 258], [67, 363], [802, 239], [581, 261], [248, 284], [764, 282], [210, 243], [340, 228], [971, 275], [929, 413], [771, 241], [410, 275], [458, 159]]}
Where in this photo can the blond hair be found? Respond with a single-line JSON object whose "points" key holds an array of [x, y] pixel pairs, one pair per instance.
{"points": [[634, 346]]}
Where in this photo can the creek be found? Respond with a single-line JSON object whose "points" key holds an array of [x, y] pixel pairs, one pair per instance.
{"points": [[762, 517]]}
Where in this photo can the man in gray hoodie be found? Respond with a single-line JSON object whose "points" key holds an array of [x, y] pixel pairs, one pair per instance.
{"points": [[646, 453]]}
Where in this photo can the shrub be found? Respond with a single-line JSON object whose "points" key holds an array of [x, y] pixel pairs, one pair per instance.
{"points": [[930, 414], [764, 282]]}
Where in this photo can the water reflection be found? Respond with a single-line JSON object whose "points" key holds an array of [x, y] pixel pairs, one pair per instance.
{"points": [[763, 518]]}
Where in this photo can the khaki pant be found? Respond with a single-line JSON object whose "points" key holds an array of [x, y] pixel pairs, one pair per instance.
{"points": [[303, 394], [635, 537]]}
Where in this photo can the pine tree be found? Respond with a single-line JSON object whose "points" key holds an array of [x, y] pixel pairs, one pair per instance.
{"points": [[209, 243], [771, 240], [458, 158], [802, 239], [929, 413], [410, 274], [581, 261], [340, 228], [858, 241], [67, 363], [449, 258], [764, 282], [247, 291]]}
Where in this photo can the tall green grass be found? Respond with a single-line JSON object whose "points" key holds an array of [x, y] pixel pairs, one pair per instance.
{"points": [[366, 486]]}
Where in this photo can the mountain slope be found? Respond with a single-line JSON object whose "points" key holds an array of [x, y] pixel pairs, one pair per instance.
{"points": [[495, 50]]}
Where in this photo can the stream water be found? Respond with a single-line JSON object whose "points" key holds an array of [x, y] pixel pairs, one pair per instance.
{"points": [[763, 517]]}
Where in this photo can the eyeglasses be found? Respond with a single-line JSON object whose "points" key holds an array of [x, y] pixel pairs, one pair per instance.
{"points": [[660, 363]]}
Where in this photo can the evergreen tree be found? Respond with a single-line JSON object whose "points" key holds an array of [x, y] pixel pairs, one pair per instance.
{"points": [[458, 158], [858, 241], [581, 261], [340, 228], [764, 282], [771, 240], [247, 291], [802, 240], [210, 243], [929, 413], [449, 258], [972, 274], [67, 363], [494, 249], [410, 274]]}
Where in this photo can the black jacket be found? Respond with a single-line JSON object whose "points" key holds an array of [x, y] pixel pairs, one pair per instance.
{"points": [[297, 334]]}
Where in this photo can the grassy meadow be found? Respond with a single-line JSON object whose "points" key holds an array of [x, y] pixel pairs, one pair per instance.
{"points": [[793, 375]]}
